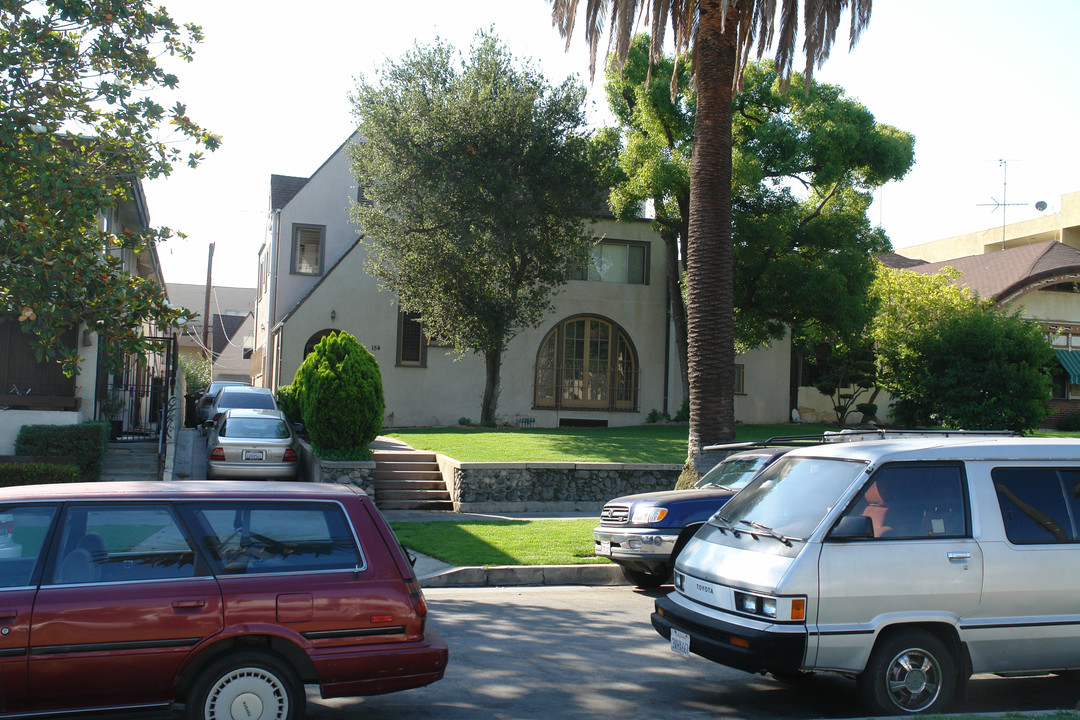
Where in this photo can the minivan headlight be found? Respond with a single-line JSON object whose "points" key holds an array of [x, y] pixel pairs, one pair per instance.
{"points": [[782, 609], [648, 515]]}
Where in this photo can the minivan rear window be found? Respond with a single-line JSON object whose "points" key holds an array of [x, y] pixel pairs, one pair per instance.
{"points": [[1038, 504]]}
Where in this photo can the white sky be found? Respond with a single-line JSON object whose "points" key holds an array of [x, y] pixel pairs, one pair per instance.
{"points": [[976, 82]]}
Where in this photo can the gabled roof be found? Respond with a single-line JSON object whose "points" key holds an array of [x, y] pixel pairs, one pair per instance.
{"points": [[283, 188], [1001, 275], [225, 327], [899, 262]]}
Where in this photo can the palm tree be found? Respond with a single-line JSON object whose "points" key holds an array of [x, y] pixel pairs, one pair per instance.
{"points": [[719, 35]]}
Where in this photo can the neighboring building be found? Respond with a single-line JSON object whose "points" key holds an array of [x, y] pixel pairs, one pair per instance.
{"points": [[230, 337], [39, 393], [605, 356], [1031, 266]]}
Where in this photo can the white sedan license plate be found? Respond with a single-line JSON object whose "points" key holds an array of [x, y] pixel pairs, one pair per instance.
{"points": [[680, 642], [254, 454], [605, 548]]}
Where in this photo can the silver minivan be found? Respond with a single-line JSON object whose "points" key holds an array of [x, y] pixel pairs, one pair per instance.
{"points": [[909, 564]]}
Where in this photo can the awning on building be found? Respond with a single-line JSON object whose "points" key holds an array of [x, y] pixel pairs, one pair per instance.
{"points": [[1070, 360]]}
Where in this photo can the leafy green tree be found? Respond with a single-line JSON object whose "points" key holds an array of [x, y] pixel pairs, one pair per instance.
{"points": [[950, 358], [801, 260], [340, 394], [719, 35], [198, 371], [79, 125], [476, 175]]}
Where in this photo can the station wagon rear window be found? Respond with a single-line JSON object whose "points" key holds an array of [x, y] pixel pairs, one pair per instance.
{"points": [[252, 537], [1038, 505]]}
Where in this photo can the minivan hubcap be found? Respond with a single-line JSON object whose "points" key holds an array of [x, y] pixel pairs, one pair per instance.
{"points": [[913, 680]]}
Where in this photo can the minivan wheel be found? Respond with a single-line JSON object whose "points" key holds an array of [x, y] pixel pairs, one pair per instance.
{"points": [[645, 579], [908, 672], [244, 685]]}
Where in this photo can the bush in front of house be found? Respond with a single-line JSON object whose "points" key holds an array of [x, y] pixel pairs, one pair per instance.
{"points": [[33, 473], [288, 401], [341, 396], [1070, 423], [85, 442]]}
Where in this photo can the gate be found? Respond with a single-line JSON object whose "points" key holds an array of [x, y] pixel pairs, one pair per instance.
{"points": [[135, 400]]}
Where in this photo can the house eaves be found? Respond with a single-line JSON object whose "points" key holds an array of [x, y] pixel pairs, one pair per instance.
{"points": [[311, 291], [283, 188]]}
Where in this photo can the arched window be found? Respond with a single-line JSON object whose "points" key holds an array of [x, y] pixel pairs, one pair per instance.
{"points": [[586, 362], [309, 346]]}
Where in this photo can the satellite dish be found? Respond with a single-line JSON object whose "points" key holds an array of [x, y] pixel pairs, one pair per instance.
{"points": [[1041, 205]]}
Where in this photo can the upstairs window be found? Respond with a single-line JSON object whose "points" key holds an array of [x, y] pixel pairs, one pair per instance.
{"points": [[307, 255], [613, 261], [411, 347]]}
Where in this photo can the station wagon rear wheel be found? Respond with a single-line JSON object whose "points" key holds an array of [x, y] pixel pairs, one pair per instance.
{"points": [[244, 685], [908, 672]]}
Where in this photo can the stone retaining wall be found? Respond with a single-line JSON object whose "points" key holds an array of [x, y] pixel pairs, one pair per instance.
{"points": [[539, 487], [315, 469]]}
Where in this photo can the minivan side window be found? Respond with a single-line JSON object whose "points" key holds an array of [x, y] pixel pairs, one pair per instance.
{"points": [[1035, 503], [23, 531], [102, 542], [251, 537], [914, 501]]}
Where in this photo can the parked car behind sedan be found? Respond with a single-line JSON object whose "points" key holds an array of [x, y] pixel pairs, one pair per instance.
{"points": [[206, 399], [235, 396], [643, 533], [250, 444], [224, 597]]}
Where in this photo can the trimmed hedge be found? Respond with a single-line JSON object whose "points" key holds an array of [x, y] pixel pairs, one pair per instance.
{"points": [[87, 442], [12, 474]]}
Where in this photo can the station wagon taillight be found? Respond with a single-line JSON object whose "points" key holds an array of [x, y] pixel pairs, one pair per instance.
{"points": [[416, 596]]}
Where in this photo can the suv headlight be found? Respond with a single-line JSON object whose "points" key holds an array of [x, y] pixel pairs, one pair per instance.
{"points": [[648, 515], [781, 609]]}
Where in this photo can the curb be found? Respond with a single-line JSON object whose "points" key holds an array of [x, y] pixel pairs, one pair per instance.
{"points": [[525, 575]]}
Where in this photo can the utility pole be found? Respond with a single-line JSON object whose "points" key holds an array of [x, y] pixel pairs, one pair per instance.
{"points": [[206, 304]]}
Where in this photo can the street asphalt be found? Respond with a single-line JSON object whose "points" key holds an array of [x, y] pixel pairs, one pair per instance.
{"points": [[190, 464]]}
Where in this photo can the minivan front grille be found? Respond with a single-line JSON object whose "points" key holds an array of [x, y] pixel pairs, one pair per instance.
{"points": [[615, 515]]}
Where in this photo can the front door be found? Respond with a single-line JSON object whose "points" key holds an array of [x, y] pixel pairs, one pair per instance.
{"points": [[126, 599]]}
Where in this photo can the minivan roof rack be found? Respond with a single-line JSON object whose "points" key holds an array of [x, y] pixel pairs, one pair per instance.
{"points": [[851, 435]]}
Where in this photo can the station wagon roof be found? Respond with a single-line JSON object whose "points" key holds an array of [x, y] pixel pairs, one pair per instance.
{"points": [[186, 490], [947, 448]]}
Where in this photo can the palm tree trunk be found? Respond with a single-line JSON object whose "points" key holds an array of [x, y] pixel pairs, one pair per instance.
{"points": [[710, 323]]}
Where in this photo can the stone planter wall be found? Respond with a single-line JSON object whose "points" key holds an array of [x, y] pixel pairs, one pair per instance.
{"points": [[539, 487], [314, 469]]}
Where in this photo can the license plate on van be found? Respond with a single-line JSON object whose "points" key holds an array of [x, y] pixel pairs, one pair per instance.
{"points": [[604, 548], [680, 642]]}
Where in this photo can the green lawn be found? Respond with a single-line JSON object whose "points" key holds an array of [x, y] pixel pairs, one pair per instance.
{"points": [[654, 443], [502, 542]]}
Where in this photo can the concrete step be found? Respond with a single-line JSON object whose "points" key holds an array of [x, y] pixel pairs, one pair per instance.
{"points": [[408, 475], [415, 505], [381, 456], [396, 484], [417, 495]]}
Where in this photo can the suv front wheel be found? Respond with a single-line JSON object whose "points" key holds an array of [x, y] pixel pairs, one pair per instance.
{"points": [[247, 684]]}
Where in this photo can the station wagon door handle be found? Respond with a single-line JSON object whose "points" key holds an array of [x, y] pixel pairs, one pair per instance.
{"points": [[8, 614], [959, 556], [188, 604]]}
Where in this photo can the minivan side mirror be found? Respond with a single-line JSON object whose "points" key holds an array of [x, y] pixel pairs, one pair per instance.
{"points": [[853, 527]]}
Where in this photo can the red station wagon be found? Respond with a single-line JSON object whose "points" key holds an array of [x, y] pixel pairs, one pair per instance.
{"points": [[226, 597]]}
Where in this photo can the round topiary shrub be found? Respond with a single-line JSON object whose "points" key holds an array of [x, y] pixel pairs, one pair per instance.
{"points": [[1070, 423], [340, 393], [288, 400]]}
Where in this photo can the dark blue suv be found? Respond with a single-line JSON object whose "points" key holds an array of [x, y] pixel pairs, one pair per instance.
{"points": [[643, 533]]}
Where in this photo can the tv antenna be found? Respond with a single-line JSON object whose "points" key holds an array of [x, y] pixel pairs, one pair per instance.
{"points": [[1004, 164]]}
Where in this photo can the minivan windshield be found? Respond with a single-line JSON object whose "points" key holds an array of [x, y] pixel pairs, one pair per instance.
{"points": [[790, 497]]}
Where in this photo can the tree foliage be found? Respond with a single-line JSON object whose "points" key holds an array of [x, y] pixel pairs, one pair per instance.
{"points": [[476, 175], [949, 358], [79, 126], [340, 394]]}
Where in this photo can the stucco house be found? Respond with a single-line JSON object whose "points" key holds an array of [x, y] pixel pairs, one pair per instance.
{"points": [[33, 392], [230, 334], [605, 356]]}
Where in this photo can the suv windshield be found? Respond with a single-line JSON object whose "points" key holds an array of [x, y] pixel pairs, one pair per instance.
{"points": [[791, 496], [733, 473]]}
